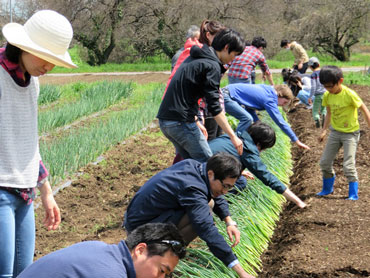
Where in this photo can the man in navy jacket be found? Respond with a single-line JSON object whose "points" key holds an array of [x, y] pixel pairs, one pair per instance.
{"points": [[258, 137], [151, 251], [183, 195]]}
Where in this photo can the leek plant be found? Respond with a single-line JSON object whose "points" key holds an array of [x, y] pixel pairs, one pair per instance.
{"points": [[78, 147], [49, 94], [93, 99]]}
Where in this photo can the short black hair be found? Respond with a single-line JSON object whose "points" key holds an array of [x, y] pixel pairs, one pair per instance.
{"points": [[315, 65], [12, 53], [284, 43], [259, 42], [262, 134], [285, 73], [151, 233], [224, 166], [330, 75], [229, 37]]}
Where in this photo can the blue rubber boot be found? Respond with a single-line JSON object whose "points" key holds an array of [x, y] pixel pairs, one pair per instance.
{"points": [[327, 186], [353, 190]]}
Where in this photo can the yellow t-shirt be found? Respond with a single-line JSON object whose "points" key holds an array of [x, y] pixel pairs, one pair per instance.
{"points": [[344, 109]]}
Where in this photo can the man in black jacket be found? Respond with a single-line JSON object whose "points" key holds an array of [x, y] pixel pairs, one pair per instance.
{"points": [[183, 195], [199, 77]]}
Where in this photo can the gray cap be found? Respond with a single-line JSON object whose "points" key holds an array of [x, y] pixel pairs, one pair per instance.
{"points": [[312, 61]]}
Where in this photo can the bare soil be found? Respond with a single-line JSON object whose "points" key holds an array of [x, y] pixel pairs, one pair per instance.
{"points": [[330, 238]]}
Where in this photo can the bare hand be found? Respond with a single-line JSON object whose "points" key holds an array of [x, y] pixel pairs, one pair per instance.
{"points": [[310, 101], [234, 234], [238, 144], [248, 175], [322, 136], [52, 213], [301, 145], [202, 129]]}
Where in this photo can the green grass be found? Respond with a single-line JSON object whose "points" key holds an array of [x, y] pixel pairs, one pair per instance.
{"points": [[157, 63], [281, 60], [285, 59], [357, 78]]}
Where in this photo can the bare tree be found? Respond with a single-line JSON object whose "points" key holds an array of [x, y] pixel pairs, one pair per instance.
{"points": [[335, 27]]}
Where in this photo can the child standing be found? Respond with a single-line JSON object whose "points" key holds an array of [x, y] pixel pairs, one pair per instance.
{"points": [[341, 104], [317, 92]]}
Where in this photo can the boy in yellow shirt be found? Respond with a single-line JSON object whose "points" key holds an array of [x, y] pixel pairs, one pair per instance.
{"points": [[342, 106]]}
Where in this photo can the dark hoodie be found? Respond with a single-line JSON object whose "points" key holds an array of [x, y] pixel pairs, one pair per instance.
{"points": [[198, 76]]}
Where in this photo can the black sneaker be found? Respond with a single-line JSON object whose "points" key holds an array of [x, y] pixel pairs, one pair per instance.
{"points": [[317, 123]]}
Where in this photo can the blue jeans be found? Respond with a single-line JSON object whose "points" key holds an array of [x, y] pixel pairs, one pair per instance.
{"points": [[17, 237], [187, 138], [233, 80], [234, 109], [303, 96]]}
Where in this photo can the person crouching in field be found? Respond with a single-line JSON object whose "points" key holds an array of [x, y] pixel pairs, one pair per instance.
{"points": [[242, 101], [183, 195], [258, 137], [150, 251], [342, 106]]}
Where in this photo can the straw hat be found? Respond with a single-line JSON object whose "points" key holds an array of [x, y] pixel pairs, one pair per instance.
{"points": [[47, 35]]}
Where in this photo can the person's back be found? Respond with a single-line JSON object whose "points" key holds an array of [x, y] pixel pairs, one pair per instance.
{"points": [[151, 251], [299, 53], [257, 138], [160, 194], [242, 67], [187, 86], [99, 260], [259, 97], [253, 96]]}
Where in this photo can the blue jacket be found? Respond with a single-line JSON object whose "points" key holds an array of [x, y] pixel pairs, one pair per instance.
{"points": [[89, 259], [260, 97], [182, 188], [250, 159]]}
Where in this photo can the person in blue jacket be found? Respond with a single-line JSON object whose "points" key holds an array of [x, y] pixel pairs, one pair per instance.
{"points": [[257, 138], [243, 100], [183, 195], [151, 251]]}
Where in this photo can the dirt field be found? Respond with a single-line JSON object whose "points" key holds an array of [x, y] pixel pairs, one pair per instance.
{"points": [[331, 238]]}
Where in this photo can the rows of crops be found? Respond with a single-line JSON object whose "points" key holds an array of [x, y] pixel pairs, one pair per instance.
{"points": [[124, 109], [256, 211], [73, 135]]}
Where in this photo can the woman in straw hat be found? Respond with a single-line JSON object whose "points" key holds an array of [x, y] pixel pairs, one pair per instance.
{"points": [[32, 50]]}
